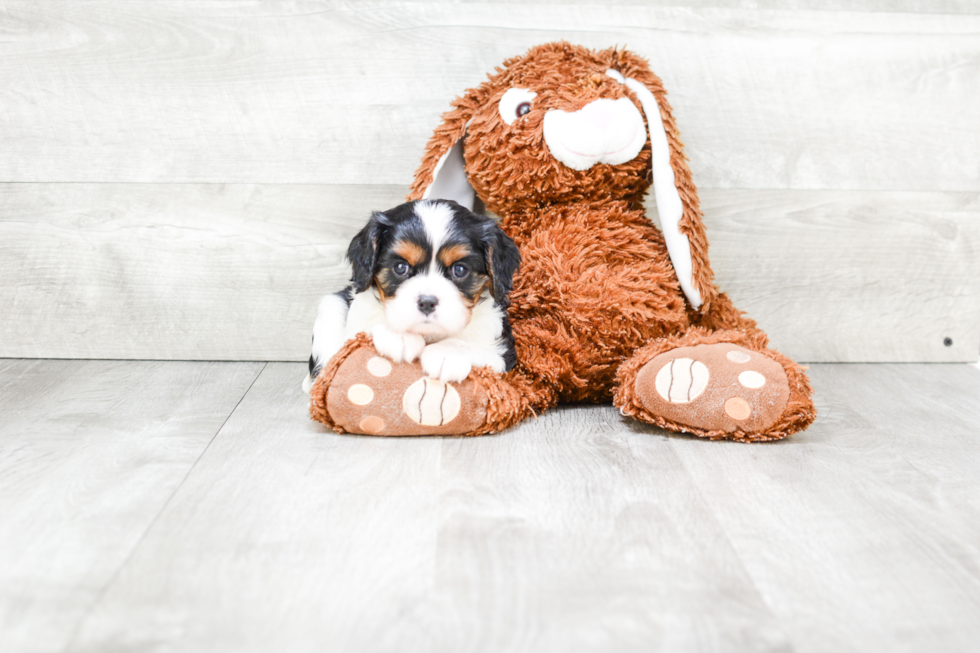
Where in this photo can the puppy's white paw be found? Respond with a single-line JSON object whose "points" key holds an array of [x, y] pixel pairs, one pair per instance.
{"points": [[447, 360], [399, 347]]}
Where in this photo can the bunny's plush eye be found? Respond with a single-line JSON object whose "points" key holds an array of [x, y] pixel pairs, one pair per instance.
{"points": [[515, 104]]}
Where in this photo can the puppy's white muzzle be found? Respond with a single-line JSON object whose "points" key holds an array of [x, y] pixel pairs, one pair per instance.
{"points": [[603, 131], [448, 316]]}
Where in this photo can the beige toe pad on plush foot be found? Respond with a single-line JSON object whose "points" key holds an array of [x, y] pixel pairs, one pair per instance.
{"points": [[720, 387], [373, 396]]}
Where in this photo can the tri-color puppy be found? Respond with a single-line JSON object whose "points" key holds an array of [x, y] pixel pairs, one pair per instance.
{"points": [[430, 282]]}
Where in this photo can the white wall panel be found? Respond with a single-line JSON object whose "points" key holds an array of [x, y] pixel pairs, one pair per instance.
{"points": [[329, 92]]}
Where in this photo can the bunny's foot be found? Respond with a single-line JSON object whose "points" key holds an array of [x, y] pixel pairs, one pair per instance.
{"points": [[723, 384]]}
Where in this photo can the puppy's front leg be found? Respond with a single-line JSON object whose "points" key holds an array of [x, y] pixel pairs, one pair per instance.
{"points": [[328, 332], [480, 344], [367, 315], [396, 345]]}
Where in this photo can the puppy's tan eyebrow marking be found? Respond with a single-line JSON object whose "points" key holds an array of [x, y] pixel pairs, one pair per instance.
{"points": [[452, 253], [411, 252]]}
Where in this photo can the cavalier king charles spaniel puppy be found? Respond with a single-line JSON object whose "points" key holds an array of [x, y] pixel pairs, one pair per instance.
{"points": [[430, 282]]}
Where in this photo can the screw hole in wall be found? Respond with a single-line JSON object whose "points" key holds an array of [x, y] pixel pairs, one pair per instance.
{"points": [[948, 342]]}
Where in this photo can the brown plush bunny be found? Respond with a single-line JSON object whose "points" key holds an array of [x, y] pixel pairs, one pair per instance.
{"points": [[562, 144]]}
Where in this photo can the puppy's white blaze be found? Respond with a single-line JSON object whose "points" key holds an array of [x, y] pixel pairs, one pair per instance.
{"points": [[328, 332], [603, 131], [437, 219], [669, 204]]}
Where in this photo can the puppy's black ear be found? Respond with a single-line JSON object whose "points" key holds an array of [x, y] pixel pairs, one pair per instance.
{"points": [[503, 259], [363, 250]]}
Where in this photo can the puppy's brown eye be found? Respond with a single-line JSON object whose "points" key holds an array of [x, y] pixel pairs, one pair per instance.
{"points": [[401, 269], [460, 271], [523, 109]]}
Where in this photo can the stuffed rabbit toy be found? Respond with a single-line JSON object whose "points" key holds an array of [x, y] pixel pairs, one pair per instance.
{"points": [[562, 144]]}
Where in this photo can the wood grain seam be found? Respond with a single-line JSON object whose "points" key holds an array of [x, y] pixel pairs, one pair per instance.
{"points": [[114, 577]]}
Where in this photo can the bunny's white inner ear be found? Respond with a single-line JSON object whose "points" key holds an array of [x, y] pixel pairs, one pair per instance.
{"points": [[449, 180], [669, 204]]}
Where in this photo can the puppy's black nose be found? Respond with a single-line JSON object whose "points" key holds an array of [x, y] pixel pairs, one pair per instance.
{"points": [[427, 303]]}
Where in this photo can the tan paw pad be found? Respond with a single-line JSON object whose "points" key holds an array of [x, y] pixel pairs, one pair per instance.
{"points": [[738, 409], [379, 366], [360, 394], [372, 424], [751, 379], [738, 356]]}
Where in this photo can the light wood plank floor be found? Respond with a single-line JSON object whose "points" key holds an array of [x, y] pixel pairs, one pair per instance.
{"points": [[148, 506]]}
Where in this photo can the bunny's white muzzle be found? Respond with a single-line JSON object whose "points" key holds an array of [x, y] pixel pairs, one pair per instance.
{"points": [[603, 131]]}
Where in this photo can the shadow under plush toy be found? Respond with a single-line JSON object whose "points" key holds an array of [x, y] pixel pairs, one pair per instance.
{"points": [[561, 143]]}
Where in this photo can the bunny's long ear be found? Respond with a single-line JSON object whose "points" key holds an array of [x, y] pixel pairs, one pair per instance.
{"points": [[677, 197], [442, 174]]}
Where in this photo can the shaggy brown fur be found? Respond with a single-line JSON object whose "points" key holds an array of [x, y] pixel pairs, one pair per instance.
{"points": [[597, 296]]}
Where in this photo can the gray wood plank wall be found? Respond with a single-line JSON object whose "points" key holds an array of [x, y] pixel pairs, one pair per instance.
{"points": [[179, 180]]}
